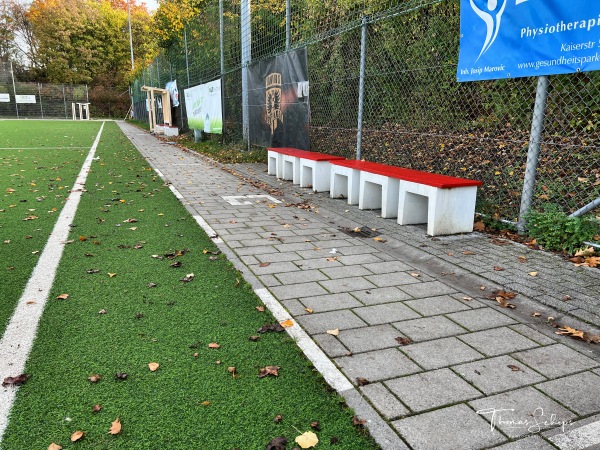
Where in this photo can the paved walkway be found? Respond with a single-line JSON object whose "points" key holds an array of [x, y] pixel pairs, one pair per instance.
{"points": [[440, 365]]}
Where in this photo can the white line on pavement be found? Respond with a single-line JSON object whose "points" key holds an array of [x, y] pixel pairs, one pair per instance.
{"points": [[19, 335]]}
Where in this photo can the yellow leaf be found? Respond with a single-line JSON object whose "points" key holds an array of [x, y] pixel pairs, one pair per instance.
{"points": [[334, 332], [153, 366], [271, 205], [357, 229], [287, 323], [77, 436], [62, 296], [533, 274], [307, 440], [54, 446], [308, 310], [378, 239], [115, 427], [112, 275]]}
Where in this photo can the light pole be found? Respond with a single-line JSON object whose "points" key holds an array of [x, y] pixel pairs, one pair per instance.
{"points": [[130, 36]]}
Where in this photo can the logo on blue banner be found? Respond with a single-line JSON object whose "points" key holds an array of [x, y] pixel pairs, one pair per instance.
{"points": [[521, 38]]}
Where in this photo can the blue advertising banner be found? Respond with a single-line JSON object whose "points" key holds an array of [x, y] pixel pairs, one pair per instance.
{"points": [[524, 38]]}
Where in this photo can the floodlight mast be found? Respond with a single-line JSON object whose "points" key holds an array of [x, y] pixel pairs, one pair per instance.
{"points": [[130, 35]]}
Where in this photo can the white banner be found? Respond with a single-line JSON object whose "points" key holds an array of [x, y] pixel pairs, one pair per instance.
{"points": [[25, 98], [203, 107], [4, 98]]}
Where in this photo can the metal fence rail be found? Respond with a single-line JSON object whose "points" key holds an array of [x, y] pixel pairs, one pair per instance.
{"points": [[400, 102]]}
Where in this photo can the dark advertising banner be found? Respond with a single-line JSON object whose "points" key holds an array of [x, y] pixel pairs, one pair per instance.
{"points": [[522, 38], [278, 101]]}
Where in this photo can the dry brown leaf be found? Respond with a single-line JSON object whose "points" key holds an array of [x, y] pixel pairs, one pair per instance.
{"points": [[112, 275], [269, 370], [514, 368], [77, 436], [54, 446], [358, 422], [592, 261], [536, 314], [308, 310], [568, 331], [307, 440], [260, 308], [479, 226], [335, 258], [115, 427], [498, 268], [94, 378], [533, 274], [287, 323], [214, 345], [96, 408], [278, 418], [468, 252], [585, 251], [403, 340], [414, 274], [378, 239], [265, 264], [205, 403], [357, 229], [522, 259], [153, 366], [505, 304], [62, 296], [334, 332]]}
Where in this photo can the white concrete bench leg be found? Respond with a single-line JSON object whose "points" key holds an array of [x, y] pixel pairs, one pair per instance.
{"points": [[315, 174], [379, 191], [290, 168], [272, 162], [446, 211], [345, 182]]}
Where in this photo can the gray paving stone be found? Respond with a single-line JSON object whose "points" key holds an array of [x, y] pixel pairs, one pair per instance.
{"points": [[294, 247], [384, 401], [297, 291], [521, 412], [497, 341], [376, 365], [369, 338], [556, 360], [274, 268], [330, 302], [427, 289], [432, 389], [381, 295], [578, 434], [316, 263], [330, 345], [440, 353], [429, 328], [350, 260], [392, 279], [580, 392], [320, 323], [431, 306], [357, 250], [277, 257], [445, 429], [269, 280], [300, 276], [385, 313], [494, 375], [243, 251], [294, 307], [481, 319], [528, 443], [346, 272], [532, 334], [346, 285], [388, 267]]}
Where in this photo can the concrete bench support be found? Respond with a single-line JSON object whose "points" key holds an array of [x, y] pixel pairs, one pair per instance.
{"points": [[315, 174], [445, 211], [379, 191], [345, 182]]}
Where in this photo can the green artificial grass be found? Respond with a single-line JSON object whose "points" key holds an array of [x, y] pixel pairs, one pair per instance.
{"points": [[35, 183], [129, 224]]}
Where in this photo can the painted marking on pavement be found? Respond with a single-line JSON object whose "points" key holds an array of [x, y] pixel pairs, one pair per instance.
{"points": [[236, 200], [579, 438], [19, 335], [208, 229]]}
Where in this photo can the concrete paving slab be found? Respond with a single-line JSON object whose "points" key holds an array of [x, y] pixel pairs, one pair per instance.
{"points": [[580, 392], [376, 365], [317, 263], [497, 341], [386, 313], [522, 412], [297, 291], [300, 276], [481, 319], [330, 345], [528, 443], [429, 289], [330, 302], [532, 334], [441, 353], [429, 328], [392, 279], [445, 429], [432, 389], [369, 338], [346, 285], [498, 374], [320, 323], [346, 272], [384, 401], [388, 267], [556, 360], [380, 295], [576, 435], [432, 306], [270, 268]]}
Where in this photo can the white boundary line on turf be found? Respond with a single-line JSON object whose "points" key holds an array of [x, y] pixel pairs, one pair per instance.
{"points": [[42, 148], [17, 341]]}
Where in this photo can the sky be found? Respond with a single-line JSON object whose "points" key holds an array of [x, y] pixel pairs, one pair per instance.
{"points": [[151, 4]]}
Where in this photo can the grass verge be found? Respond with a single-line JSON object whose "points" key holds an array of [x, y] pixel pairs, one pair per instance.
{"points": [[128, 307]]}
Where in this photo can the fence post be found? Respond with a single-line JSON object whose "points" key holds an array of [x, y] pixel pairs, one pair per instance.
{"points": [[222, 57], [537, 126], [246, 37], [12, 74], [65, 101], [361, 86], [87, 94], [187, 62], [40, 94], [288, 18]]}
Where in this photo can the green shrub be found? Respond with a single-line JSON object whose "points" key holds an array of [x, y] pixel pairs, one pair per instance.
{"points": [[556, 231]]}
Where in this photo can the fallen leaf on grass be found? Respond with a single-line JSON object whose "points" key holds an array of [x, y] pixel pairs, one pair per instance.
{"points": [[91, 271], [269, 370], [121, 375], [316, 425], [153, 366], [277, 443], [77, 436], [307, 440], [233, 371], [334, 332], [189, 277], [214, 345], [176, 264], [62, 296], [94, 378], [260, 308], [358, 422], [271, 327], [115, 427], [96, 408], [15, 381], [254, 338], [54, 446], [287, 323], [278, 418], [102, 312], [585, 251], [112, 275]]}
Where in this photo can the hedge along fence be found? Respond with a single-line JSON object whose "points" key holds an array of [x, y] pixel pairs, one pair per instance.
{"points": [[414, 112]]}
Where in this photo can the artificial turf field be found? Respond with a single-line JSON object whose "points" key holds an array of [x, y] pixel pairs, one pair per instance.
{"points": [[127, 306]]}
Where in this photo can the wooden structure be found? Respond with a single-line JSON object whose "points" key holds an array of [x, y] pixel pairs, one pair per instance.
{"points": [[152, 94]]}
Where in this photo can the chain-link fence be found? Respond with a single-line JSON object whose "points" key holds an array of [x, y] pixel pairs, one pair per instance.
{"points": [[37, 100], [413, 112]]}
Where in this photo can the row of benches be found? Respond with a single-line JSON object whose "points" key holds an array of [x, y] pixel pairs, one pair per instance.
{"points": [[446, 204]]}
